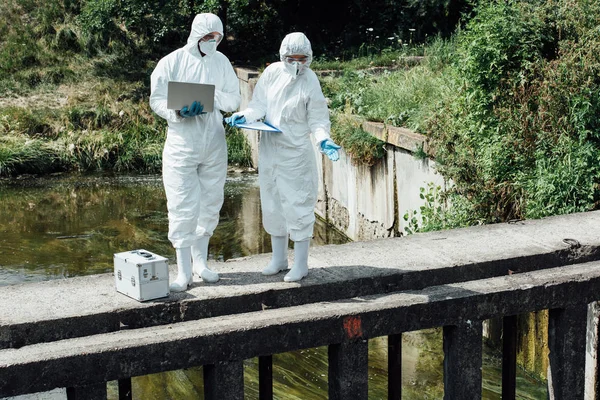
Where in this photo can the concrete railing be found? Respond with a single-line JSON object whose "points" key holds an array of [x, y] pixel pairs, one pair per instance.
{"points": [[221, 344], [80, 333]]}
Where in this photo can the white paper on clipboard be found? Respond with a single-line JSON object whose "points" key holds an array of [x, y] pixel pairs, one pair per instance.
{"points": [[258, 126]]}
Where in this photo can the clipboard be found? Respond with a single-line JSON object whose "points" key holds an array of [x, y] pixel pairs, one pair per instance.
{"points": [[258, 126], [180, 94]]}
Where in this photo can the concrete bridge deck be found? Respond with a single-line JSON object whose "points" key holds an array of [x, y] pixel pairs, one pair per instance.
{"points": [[76, 307]]}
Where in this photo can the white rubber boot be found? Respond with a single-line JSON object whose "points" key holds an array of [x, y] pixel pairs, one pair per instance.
{"points": [[300, 268], [279, 260], [184, 270], [200, 255]]}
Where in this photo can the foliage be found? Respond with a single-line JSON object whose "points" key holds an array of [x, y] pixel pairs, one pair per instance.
{"points": [[441, 209], [115, 135], [364, 148], [21, 155], [255, 28], [521, 137], [238, 149], [403, 97], [388, 58]]}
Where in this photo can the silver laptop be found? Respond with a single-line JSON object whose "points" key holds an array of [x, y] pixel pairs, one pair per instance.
{"points": [[180, 94]]}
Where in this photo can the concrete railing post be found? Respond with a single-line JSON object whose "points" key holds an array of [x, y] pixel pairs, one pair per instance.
{"points": [[567, 341], [395, 367], [89, 392], [592, 362], [265, 377], [349, 370], [124, 386], [224, 380], [509, 357], [462, 361]]}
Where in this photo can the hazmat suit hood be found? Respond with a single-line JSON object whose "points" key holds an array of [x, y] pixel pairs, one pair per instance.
{"points": [[202, 25], [295, 43]]}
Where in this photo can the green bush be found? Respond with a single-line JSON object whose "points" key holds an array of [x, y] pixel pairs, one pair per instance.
{"points": [[97, 18], [364, 148], [500, 43], [238, 149], [521, 137], [441, 209]]}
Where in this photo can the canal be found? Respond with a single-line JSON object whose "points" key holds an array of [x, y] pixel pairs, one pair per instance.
{"points": [[64, 226]]}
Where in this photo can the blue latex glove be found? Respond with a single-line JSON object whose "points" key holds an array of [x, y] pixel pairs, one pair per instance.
{"points": [[330, 149], [235, 119], [195, 109]]}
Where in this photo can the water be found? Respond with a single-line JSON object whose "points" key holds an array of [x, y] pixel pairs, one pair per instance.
{"points": [[67, 226]]}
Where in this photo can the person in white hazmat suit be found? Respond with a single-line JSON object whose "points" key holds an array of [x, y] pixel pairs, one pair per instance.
{"points": [[194, 164], [289, 96]]}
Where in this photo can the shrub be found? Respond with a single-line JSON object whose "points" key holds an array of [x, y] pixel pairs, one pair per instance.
{"points": [[364, 148], [521, 137], [67, 40], [238, 149], [441, 209]]}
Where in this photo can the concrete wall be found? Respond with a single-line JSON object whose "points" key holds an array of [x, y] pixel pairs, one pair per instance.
{"points": [[365, 202], [248, 79]]}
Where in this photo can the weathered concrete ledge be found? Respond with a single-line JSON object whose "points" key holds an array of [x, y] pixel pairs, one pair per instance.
{"points": [[246, 74], [400, 137], [62, 309], [117, 355]]}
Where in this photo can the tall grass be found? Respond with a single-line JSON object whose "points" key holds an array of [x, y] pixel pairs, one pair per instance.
{"points": [[22, 155], [406, 97], [122, 137], [364, 148], [386, 58], [238, 149]]}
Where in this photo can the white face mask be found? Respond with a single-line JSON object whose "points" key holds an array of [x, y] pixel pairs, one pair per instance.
{"points": [[209, 47], [293, 68]]}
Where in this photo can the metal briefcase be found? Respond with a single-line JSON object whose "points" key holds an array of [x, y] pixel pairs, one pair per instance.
{"points": [[141, 275]]}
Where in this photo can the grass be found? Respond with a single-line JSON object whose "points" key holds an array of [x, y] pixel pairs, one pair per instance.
{"points": [[238, 149], [389, 59], [364, 148], [19, 154], [402, 97]]}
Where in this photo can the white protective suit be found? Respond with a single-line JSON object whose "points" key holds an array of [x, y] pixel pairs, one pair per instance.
{"points": [[287, 166], [194, 162]]}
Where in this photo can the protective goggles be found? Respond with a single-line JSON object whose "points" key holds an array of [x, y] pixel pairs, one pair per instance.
{"points": [[212, 36], [301, 60]]}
